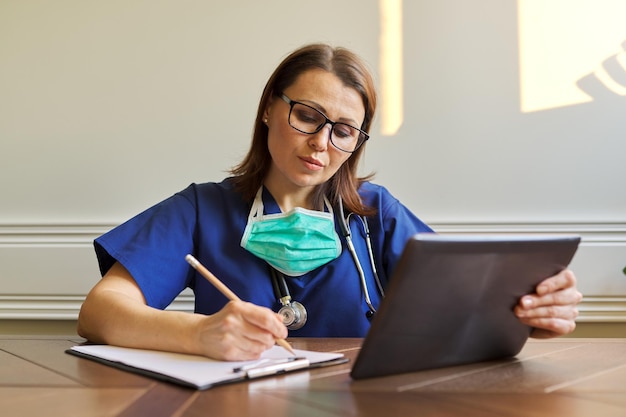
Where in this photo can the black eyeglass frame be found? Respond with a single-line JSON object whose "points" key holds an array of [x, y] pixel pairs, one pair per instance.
{"points": [[363, 136]]}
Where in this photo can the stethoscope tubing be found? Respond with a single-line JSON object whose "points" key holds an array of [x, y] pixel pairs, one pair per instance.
{"points": [[344, 224]]}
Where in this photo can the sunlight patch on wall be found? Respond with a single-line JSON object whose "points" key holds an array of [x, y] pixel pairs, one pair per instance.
{"points": [[391, 66], [570, 52]]}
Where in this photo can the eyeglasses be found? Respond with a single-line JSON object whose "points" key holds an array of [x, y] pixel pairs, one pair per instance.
{"points": [[309, 120]]}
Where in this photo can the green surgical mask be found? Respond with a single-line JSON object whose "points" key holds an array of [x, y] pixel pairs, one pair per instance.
{"points": [[294, 243]]}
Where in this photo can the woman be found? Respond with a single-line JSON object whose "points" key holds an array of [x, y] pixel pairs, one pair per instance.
{"points": [[272, 228]]}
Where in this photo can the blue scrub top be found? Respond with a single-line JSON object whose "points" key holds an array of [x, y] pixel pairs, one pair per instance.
{"points": [[208, 220]]}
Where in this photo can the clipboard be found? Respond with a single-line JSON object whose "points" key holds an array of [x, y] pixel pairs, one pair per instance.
{"points": [[200, 372]]}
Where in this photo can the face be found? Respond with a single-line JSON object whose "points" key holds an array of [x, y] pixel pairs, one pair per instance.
{"points": [[302, 161]]}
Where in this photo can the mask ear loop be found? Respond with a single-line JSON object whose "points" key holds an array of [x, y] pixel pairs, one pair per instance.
{"points": [[345, 229]]}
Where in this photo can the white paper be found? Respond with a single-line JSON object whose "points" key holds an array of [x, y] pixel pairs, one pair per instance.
{"points": [[196, 370]]}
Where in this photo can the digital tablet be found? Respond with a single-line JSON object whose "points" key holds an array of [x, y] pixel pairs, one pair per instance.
{"points": [[450, 300]]}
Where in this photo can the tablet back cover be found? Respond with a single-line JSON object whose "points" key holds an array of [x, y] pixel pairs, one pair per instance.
{"points": [[450, 300]]}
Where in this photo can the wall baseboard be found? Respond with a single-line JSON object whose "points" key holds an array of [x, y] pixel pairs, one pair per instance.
{"points": [[66, 307], [47, 269], [67, 328], [61, 307]]}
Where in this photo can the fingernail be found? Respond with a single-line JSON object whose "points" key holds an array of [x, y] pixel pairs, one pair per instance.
{"points": [[527, 302]]}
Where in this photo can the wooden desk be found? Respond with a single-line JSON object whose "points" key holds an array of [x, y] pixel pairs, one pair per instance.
{"points": [[562, 377]]}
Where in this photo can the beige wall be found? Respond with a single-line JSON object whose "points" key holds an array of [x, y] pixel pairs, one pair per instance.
{"points": [[108, 107]]}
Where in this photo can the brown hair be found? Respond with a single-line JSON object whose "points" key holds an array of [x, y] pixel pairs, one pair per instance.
{"points": [[352, 71]]}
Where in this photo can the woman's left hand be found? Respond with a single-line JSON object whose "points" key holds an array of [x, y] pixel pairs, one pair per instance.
{"points": [[551, 310]]}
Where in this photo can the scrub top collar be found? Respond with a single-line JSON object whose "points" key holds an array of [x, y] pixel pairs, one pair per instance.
{"points": [[270, 206]]}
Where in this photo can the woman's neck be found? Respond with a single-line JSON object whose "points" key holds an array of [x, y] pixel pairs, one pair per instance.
{"points": [[290, 199]]}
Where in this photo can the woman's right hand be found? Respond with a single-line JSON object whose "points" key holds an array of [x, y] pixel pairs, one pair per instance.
{"points": [[239, 331], [115, 313]]}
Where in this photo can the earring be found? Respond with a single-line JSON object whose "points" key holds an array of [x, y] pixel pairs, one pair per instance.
{"points": [[265, 120]]}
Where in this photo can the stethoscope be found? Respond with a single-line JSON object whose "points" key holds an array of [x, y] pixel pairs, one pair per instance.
{"points": [[293, 313]]}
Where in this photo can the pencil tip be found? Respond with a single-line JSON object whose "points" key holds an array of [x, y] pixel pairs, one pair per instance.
{"points": [[286, 346]]}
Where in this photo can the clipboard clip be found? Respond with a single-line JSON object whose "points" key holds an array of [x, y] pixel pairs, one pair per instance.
{"points": [[266, 367]]}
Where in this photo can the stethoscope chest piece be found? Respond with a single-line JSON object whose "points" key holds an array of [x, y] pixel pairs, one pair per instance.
{"points": [[293, 315]]}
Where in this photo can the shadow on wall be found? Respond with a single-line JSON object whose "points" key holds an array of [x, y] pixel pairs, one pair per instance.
{"points": [[609, 81]]}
